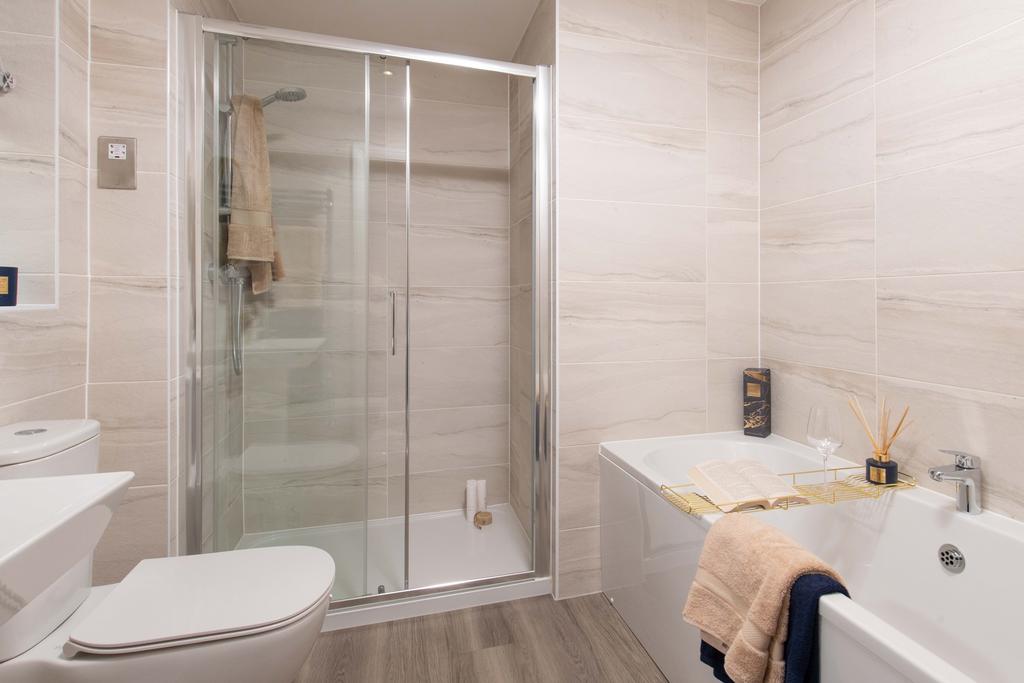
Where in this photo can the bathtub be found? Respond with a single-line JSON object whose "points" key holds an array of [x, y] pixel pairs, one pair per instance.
{"points": [[909, 620]]}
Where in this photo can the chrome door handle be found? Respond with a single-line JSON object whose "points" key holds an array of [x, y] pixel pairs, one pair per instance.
{"points": [[394, 321]]}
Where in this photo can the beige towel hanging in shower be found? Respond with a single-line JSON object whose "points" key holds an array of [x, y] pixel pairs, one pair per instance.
{"points": [[251, 235]]}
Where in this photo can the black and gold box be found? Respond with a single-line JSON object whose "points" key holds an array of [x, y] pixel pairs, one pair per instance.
{"points": [[8, 286], [757, 402]]}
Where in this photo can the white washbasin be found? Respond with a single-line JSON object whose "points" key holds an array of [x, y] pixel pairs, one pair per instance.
{"points": [[49, 527]]}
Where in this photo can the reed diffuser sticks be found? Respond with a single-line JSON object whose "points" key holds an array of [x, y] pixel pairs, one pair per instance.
{"points": [[885, 438]]}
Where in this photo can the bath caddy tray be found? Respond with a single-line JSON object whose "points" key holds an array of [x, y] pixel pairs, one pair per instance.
{"points": [[841, 484]]}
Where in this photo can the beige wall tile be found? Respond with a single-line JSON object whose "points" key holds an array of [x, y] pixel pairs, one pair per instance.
{"points": [[74, 25], [129, 32], [450, 438], [294, 384], [459, 316], [72, 208], [74, 110], [29, 16], [613, 241], [955, 106], [30, 116], [578, 487], [725, 392], [988, 425], [27, 195], [824, 63], [626, 321], [61, 405], [909, 32], [732, 321], [453, 196], [453, 377], [961, 330], [129, 229], [827, 150], [128, 329], [459, 256], [957, 218], [44, 351], [732, 30], [830, 324], [667, 164], [579, 562], [132, 102], [680, 25], [133, 417], [303, 499], [796, 388], [732, 96], [732, 171], [446, 489], [444, 83], [783, 20], [137, 531], [457, 135], [826, 237], [732, 245], [598, 79], [608, 401]]}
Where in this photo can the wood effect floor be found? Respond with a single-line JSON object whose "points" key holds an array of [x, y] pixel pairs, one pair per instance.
{"points": [[536, 639]]}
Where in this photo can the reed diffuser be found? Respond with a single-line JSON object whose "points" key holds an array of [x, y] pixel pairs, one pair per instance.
{"points": [[880, 468]]}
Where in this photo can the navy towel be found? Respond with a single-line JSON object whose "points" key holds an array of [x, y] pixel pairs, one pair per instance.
{"points": [[801, 649]]}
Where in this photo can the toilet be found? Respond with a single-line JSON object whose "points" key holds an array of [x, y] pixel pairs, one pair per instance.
{"points": [[244, 615]]}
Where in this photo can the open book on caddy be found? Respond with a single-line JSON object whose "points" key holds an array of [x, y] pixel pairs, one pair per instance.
{"points": [[737, 485]]}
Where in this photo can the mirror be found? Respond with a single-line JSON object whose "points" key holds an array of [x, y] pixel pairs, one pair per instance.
{"points": [[34, 149]]}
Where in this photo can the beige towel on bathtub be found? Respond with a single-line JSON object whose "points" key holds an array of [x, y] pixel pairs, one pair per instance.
{"points": [[251, 234], [740, 596]]}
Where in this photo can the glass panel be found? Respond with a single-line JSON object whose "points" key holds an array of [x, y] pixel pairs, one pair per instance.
{"points": [[297, 435], [471, 337]]}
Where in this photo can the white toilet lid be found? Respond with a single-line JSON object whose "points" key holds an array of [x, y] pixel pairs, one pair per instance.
{"points": [[172, 599]]}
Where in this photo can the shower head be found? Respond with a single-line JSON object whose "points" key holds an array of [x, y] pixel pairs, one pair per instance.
{"points": [[288, 94]]}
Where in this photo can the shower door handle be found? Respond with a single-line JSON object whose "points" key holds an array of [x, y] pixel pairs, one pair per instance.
{"points": [[394, 320]]}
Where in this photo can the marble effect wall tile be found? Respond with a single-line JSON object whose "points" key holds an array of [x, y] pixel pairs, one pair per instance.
{"points": [[129, 229], [732, 30], [454, 377], [579, 487], [958, 105], [29, 110], [127, 342], [725, 392], [732, 173], [131, 101], [628, 322], [129, 32], [599, 80], [961, 330], [782, 20], [828, 150], [27, 195], [989, 425], [822, 64], [732, 96], [138, 530], [610, 241], [609, 401], [674, 24], [910, 32], [732, 245], [579, 562], [829, 324], [732, 321], [826, 237], [74, 216], [135, 432], [446, 489], [961, 217], [668, 164]]}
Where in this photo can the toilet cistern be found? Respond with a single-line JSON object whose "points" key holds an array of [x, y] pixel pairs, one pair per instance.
{"points": [[965, 473]]}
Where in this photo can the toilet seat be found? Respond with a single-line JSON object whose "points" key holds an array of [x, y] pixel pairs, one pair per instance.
{"points": [[175, 601]]}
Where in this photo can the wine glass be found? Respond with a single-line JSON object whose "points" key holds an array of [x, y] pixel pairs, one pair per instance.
{"points": [[825, 433]]}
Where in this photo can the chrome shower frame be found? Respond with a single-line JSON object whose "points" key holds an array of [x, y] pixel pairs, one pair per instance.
{"points": [[191, 31]]}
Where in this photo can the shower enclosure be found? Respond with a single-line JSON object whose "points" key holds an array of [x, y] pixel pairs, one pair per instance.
{"points": [[403, 350]]}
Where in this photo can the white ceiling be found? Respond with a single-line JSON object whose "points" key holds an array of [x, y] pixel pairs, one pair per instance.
{"points": [[481, 28]]}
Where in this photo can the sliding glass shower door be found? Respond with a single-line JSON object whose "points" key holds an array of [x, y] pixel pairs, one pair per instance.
{"points": [[304, 383]]}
